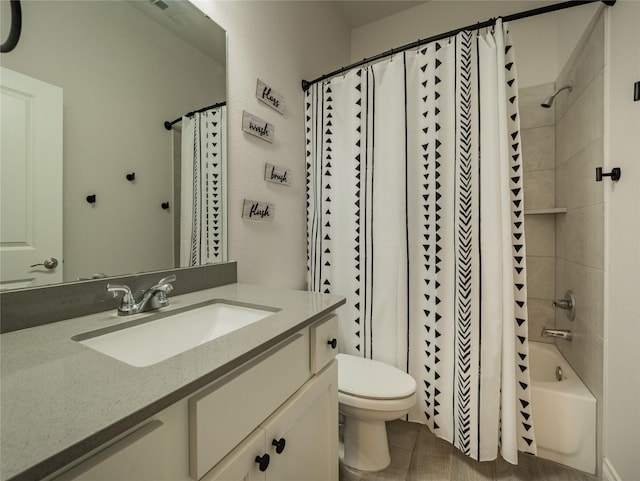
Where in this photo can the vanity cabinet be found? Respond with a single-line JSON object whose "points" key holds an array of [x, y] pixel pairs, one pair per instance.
{"points": [[299, 442], [280, 408]]}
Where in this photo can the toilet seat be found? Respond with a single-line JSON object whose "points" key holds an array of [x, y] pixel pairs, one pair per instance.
{"points": [[367, 379]]}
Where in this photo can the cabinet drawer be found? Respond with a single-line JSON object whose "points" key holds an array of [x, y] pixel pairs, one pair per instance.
{"points": [[324, 342], [221, 416]]}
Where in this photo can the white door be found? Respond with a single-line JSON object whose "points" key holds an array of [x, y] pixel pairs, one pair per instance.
{"points": [[30, 181]]}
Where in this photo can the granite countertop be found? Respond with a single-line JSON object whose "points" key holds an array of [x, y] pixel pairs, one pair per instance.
{"points": [[60, 399]]}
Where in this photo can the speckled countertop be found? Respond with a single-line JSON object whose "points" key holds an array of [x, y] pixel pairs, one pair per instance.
{"points": [[60, 399]]}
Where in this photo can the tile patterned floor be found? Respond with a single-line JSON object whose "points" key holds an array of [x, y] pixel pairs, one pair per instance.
{"points": [[417, 455]]}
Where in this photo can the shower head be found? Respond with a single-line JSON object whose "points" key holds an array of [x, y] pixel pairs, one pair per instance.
{"points": [[549, 101]]}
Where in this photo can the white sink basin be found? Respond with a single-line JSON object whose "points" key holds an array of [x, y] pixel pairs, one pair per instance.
{"points": [[156, 340]]}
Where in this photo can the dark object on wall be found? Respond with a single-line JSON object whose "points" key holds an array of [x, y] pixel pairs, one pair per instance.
{"points": [[615, 174], [636, 91], [91, 199], [165, 205], [478, 26], [168, 125], [131, 177], [16, 28]]}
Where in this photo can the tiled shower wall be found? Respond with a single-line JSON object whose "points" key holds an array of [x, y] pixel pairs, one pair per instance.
{"points": [[537, 126], [580, 233], [562, 146]]}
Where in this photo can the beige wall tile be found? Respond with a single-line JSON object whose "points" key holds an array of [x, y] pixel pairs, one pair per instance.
{"points": [[580, 236], [582, 67], [585, 354], [539, 189], [539, 148], [540, 235], [583, 123], [540, 277], [532, 115], [587, 285], [575, 179], [541, 314]]}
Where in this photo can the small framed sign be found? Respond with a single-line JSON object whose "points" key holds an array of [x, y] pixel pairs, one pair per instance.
{"points": [[269, 96], [258, 127], [255, 210], [277, 175]]}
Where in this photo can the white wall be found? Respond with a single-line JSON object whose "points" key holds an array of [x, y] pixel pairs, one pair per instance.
{"points": [[280, 43], [622, 241], [543, 43]]}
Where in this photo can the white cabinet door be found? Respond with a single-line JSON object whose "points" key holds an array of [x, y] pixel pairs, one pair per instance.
{"points": [[305, 431], [31, 181], [241, 464]]}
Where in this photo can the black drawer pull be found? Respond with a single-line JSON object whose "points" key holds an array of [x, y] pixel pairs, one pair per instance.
{"points": [[333, 343], [279, 444], [263, 462]]}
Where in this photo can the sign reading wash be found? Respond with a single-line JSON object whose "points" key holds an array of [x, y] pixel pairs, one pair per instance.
{"points": [[254, 210], [269, 96], [258, 127]]}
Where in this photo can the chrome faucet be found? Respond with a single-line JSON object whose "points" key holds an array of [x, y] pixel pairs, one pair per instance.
{"points": [[557, 333], [154, 297]]}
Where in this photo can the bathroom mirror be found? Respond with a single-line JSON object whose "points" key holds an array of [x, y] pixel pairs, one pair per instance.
{"points": [[124, 69]]}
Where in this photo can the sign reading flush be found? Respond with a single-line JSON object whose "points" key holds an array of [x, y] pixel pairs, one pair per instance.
{"points": [[254, 210], [258, 127]]}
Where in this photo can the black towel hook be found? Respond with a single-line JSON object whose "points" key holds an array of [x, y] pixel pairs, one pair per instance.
{"points": [[615, 174]]}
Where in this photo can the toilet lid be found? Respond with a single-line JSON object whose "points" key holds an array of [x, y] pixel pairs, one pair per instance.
{"points": [[367, 378]]}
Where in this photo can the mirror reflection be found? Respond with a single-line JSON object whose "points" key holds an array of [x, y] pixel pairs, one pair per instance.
{"points": [[91, 178]]}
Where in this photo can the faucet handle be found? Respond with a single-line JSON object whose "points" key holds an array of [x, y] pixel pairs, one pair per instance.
{"points": [[127, 296], [165, 281]]}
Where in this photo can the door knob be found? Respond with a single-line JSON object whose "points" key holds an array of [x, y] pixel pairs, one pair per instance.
{"points": [[333, 343], [50, 263]]}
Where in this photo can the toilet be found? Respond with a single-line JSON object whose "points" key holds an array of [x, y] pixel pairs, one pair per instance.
{"points": [[369, 394]]}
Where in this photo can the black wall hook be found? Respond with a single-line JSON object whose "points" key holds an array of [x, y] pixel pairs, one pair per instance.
{"points": [[91, 199], [131, 177], [615, 174]]}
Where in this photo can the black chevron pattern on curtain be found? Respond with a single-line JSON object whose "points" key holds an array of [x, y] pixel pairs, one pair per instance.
{"points": [[464, 244]]}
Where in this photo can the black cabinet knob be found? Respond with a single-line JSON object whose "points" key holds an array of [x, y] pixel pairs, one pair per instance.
{"points": [[91, 199], [279, 444], [263, 462], [333, 343]]}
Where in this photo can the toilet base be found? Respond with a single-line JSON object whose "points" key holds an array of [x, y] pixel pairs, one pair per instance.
{"points": [[365, 444]]}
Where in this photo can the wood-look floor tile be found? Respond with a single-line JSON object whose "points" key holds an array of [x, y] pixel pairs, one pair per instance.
{"points": [[418, 455]]}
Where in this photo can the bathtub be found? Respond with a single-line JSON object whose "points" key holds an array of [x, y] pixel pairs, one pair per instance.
{"points": [[564, 412]]}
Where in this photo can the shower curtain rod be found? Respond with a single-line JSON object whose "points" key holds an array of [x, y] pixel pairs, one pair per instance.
{"points": [[477, 26], [168, 125]]}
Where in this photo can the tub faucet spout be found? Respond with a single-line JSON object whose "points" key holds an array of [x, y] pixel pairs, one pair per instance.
{"points": [[557, 333]]}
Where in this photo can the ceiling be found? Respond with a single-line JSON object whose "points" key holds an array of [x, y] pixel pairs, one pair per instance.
{"points": [[359, 13]]}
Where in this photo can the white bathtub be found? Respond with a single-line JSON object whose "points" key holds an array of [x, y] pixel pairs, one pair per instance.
{"points": [[564, 412]]}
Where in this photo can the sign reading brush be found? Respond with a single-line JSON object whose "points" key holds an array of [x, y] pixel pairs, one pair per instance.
{"points": [[277, 175], [258, 127], [269, 96]]}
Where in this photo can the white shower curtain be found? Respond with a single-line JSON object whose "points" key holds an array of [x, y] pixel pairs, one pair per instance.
{"points": [[414, 213], [202, 221]]}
